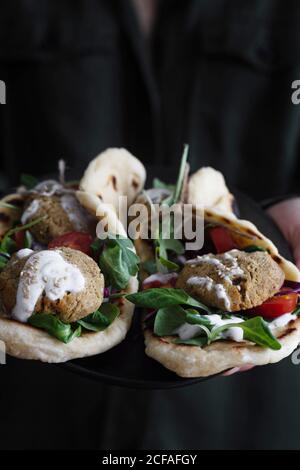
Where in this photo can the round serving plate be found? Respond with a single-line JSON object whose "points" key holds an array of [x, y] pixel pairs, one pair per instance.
{"points": [[127, 365]]}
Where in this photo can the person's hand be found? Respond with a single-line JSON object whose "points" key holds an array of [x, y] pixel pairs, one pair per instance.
{"points": [[286, 215]]}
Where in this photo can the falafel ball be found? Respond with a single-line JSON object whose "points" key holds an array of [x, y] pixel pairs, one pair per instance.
{"points": [[73, 305], [232, 281], [63, 214]]}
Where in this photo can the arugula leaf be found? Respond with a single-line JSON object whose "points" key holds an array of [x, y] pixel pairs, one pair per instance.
{"points": [[28, 181], [7, 205], [118, 261], [158, 184], [54, 326], [8, 245], [255, 330], [3, 260], [149, 266], [171, 244], [253, 248], [175, 196], [168, 319], [197, 341], [168, 264], [28, 239], [101, 319], [161, 297], [194, 318]]}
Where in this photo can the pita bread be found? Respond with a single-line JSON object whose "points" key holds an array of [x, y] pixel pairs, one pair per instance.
{"points": [[114, 173], [26, 342], [219, 356], [207, 188], [195, 361]]}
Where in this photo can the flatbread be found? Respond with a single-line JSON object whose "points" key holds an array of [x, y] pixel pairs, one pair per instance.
{"points": [[219, 356], [195, 361], [26, 342]]}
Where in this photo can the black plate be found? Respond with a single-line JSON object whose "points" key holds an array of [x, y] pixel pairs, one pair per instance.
{"points": [[127, 364]]}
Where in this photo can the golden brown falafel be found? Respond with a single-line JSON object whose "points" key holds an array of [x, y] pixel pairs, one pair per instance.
{"points": [[72, 306], [63, 214], [233, 281]]}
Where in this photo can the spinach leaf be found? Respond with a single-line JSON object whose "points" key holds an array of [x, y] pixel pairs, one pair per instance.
{"points": [[55, 327], [162, 297], [255, 330], [168, 319], [118, 261], [28, 181], [101, 319]]}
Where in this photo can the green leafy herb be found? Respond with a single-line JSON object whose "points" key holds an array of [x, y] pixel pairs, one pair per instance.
{"points": [[3, 260], [253, 248], [6, 205], [28, 239], [8, 245], [118, 261], [101, 319], [255, 330], [149, 266], [165, 239], [197, 341], [28, 181], [158, 184], [162, 297], [168, 319], [175, 196], [55, 327], [169, 265]]}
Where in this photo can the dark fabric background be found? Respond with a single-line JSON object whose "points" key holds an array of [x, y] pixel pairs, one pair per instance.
{"points": [[217, 75]]}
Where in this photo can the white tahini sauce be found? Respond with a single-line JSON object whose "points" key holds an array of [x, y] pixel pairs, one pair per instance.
{"points": [[24, 252], [45, 271], [75, 212], [30, 211], [49, 188], [210, 285], [164, 278], [187, 331], [227, 265]]}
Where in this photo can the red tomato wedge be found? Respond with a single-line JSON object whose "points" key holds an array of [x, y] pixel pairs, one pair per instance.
{"points": [[19, 238], [222, 239], [77, 240], [276, 306], [155, 284]]}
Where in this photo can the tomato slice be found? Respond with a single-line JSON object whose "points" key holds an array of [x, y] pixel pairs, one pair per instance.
{"points": [[276, 306], [160, 280], [19, 238], [77, 240], [222, 239], [155, 284]]}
